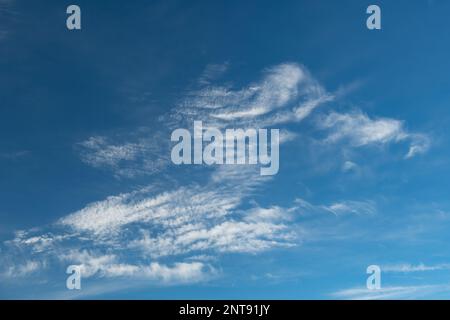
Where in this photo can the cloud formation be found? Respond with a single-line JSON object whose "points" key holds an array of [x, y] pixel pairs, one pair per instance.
{"points": [[145, 155], [358, 129], [286, 93], [394, 292], [108, 266], [212, 212], [407, 268]]}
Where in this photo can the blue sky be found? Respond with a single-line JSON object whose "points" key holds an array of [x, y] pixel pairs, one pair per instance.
{"points": [[85, 170]]}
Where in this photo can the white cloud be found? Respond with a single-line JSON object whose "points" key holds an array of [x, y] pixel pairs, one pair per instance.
{"points": [[286, 93], [108, 266], [305, 109], [23, 270], [180, 224], [89, 263], [180, 272], [407, 268], [274, 213], [278, 88], [212, 72], [359, 130], [189, 219], [37, 242], [353, 207], [420, 144], [349, 166], [183, 220], [229, 236], [101, 153], [108, 216], [386, 293], [337, 208], [146, 155], [162, 209]]}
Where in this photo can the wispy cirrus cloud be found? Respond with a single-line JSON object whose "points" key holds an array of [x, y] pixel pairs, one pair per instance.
{"points": [[145, 154], [99, 152], [14, 155], [133, 234], [407, 267], [24, 269], [6, 14], [393, 292], [224, 192], [212, 72], [227, 237], [358, 129], [286, 93], [181, 224], [108, 266], [338, 208]]}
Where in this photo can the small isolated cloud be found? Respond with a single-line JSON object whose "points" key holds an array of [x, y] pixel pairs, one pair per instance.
{"points": [[349, 166], [99, 152], [353, 207], [338, 208], [359, 130], [212, 72], [420, 144], [14, 155], [146, 155]]}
